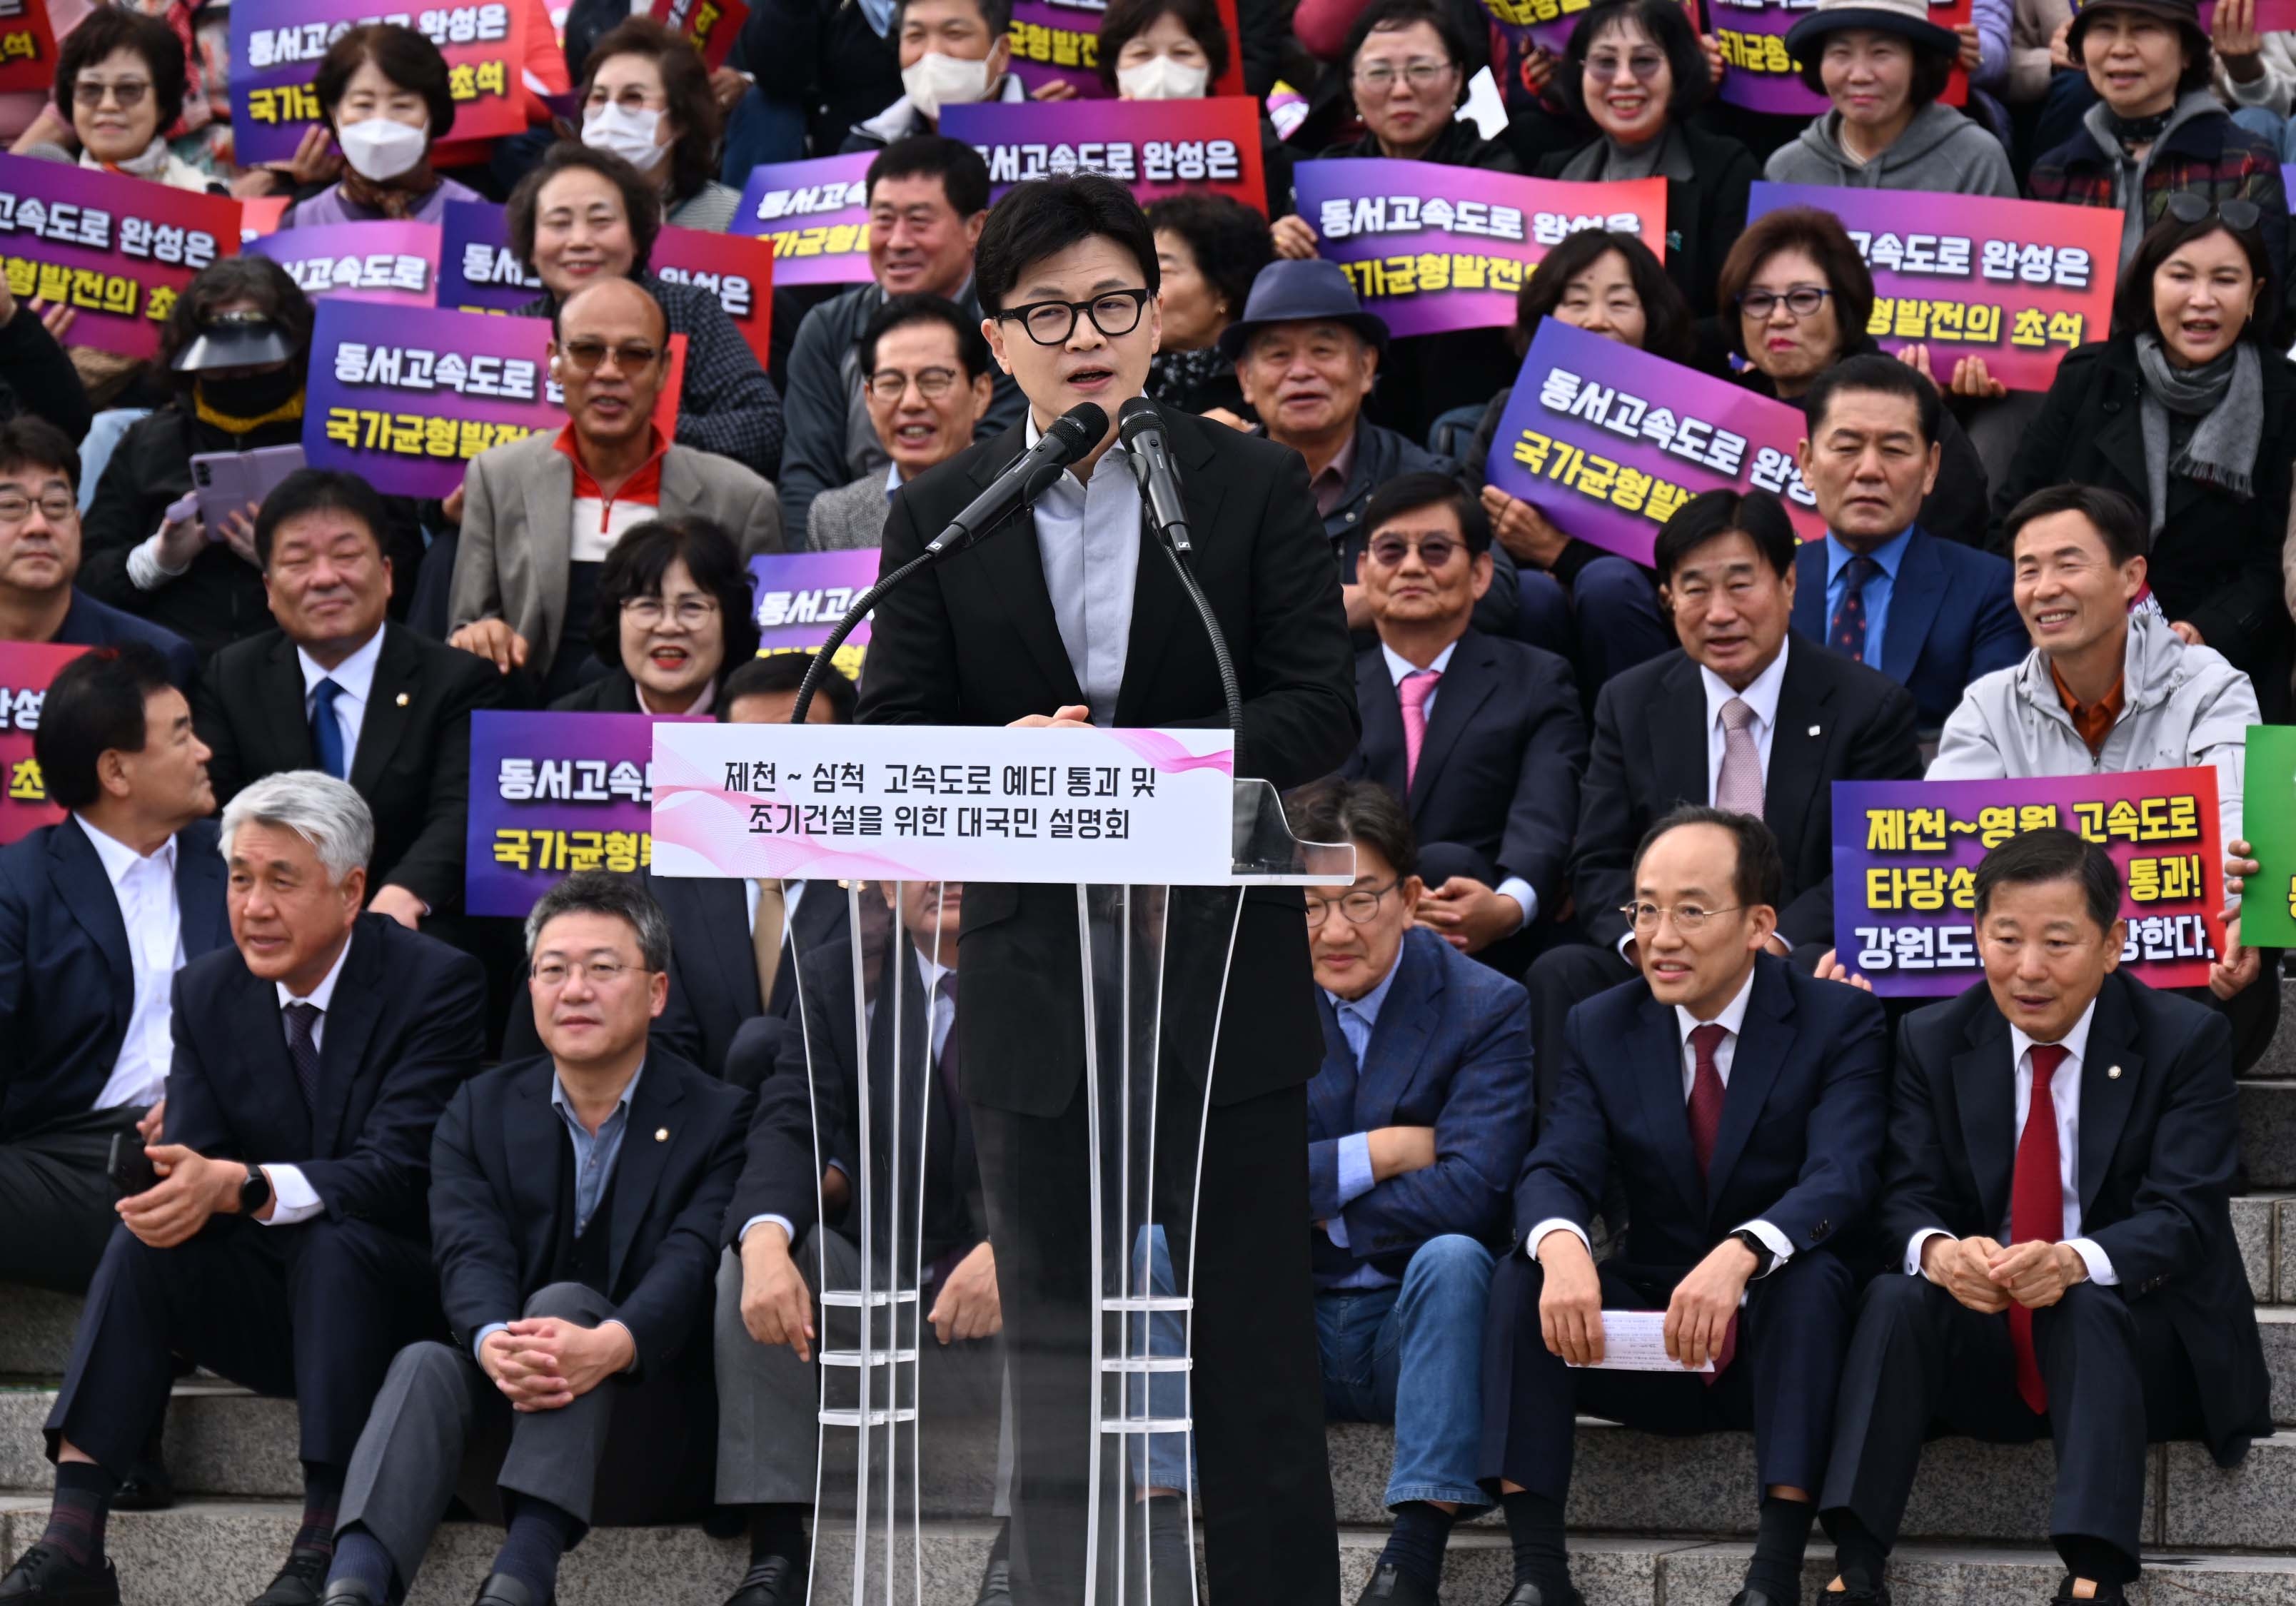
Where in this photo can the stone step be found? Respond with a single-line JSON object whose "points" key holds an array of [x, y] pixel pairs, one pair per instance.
{"points": [[2267, 1131], [2279, 1057]]}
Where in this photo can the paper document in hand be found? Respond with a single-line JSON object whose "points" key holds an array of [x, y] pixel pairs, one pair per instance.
{"points": [[1635, 1340]]}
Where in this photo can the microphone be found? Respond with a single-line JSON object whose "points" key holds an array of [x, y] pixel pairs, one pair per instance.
{"points": [[1026, 477], [1150, 453]]}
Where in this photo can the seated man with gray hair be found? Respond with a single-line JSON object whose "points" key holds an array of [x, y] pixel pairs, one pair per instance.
{"points": [[281, 1242], [576, 1200]]}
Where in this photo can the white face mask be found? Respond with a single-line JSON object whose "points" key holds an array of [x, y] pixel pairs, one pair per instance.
{"points": [[380, 149], [634, 135], [1162, 78], [937, 80]]}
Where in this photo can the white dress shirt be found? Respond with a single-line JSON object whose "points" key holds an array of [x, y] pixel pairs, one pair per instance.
{"points": [[2065, 1101], [1731, 1019], [1400, 668], [1088, 540], [356, 675], [293, 1199], [1761, 696], [144, 885]]}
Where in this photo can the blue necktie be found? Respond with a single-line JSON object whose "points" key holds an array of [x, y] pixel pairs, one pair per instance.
{"points": [[1848, 633], [326, 730]]}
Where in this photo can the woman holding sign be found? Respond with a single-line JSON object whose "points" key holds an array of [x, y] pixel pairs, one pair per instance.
{"points": [[383, 90]]}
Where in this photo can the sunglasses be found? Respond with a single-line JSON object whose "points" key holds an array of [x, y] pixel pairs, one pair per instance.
{"points": [[2237, 215]]}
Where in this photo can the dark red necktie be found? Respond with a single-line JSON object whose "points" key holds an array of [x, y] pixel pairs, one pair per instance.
{"points": [[1705, 1125], [2037, 1210]]}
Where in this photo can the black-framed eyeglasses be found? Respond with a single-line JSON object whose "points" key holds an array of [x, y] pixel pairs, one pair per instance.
{"points": [[55, 507], [2237, 214], [1434, 550], [1802, 301], [1356, 906], [128, 93], [1113, 312]]}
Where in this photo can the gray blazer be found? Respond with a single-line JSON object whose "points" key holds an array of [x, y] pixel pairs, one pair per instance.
{"points": [[851, 516], [518, 526]]}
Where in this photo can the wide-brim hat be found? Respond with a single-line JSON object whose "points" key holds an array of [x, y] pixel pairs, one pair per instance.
{"points": [[1313, 291], [1907, 19], [235, 340], [2185, 13]]}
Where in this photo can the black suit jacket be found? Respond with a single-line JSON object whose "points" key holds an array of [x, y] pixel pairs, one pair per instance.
{"points": [[494, 1200], [975, 642], [802, 1122], [88, 623], [67, 979], [1499, 769], [2160, 1138], [412, 764], [1837, 721], [406, 1026], [613, 692]]}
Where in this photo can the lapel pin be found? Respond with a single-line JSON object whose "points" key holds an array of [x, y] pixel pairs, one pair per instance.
{"points": [[1815, 729], [661, 1134], [2113, 1075], [402, 700]]}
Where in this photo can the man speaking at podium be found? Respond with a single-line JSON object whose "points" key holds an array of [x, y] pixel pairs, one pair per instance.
{"points": [[1066, 615]]}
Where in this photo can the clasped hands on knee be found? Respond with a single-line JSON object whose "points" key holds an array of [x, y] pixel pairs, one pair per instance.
{"points": [[1986, 1277], [547, 1363]]}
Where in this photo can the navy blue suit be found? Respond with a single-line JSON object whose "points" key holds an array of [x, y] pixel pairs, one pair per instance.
{"points": [[1951, 618], [88, 623], [312, 1311], [1799, 1147]]}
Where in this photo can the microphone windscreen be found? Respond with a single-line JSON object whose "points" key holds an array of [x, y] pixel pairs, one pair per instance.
{"points": [[1135, 415], [1081, 427]]}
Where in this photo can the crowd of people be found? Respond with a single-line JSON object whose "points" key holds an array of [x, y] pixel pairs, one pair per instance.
{"points": [[1590, 1039]]}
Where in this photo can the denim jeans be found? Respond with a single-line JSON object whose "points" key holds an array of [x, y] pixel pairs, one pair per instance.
{"points": [[1608, 622], [2270, 124], [1411, 1353]]}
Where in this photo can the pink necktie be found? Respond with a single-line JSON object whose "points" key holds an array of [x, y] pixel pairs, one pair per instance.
{"points": [[1738, 788], [1416, 688]]}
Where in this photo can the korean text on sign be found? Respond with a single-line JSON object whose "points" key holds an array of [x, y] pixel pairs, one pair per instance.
{"points": [[817, 215], [1159, 148], [26, 668], [276, 47]]}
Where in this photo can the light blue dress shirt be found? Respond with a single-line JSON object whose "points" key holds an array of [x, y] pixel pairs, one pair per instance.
{"points": [[1889, 555], [1357, 1018], [1088, 540]]}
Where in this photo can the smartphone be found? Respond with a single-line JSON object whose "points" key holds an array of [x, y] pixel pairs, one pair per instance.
{"points": [[226, 482], [129, 1168]]}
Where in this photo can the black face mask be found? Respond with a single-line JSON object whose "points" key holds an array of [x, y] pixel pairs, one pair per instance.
{"points": [[251, 395]]}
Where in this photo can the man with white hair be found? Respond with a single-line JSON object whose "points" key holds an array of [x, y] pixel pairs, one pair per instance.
{"points": [[283, 1240]]}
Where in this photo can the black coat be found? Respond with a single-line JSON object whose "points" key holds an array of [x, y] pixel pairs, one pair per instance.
{"points": [[613, 692], [412, 764], [36, 376], [2216, 562], [1837, 721], [1703, 217], [975, 642], [2160, 1141]]}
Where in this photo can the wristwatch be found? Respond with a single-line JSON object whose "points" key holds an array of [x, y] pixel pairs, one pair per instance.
{"points": [[1763, 1258], [255, 1191]]}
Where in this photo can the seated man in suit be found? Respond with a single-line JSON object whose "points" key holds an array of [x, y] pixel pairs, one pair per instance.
{"points": [[1417, 1122], [1738, 1106], [97, 914], [284, 1244], [575, 1204], [928, 382], [1931, 614], [2058, 1183], [40, 552], [1483, 736], [339, 688], [1750, 715]]}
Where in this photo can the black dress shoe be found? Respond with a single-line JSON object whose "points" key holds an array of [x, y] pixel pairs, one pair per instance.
{"points": [[1530, 1595], [348, 1591], [1390, 1584], [298, 1582], [147, 1488], [1855, 1597], [501, 1589], [776, 1581], [995, 1585], [1755, 1597], [44, 1576]]}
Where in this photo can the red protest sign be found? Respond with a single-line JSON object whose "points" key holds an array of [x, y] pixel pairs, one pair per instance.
{"points": [[28, 47], [710, 26], [26, 668], [738, 269]]}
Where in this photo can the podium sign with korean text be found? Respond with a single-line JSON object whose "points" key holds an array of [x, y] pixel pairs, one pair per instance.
{"points": [[2267, 820], [1431, 248], [478, 271], [1762, 75], [710, 26], [554, 793], [1159, 148], [801, 595], [28, 47], [1056, 41], [739, 271], [1609, 442], [26, 668], [815, 213], [2017, 282], [119, 249], [1906, 855], [395, 261], [276, 47], [933, 803]]}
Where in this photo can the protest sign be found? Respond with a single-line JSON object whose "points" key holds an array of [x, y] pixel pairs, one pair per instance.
{"points": [[1761, 77], [2017, 282], [396, 261], [261, 215], [2267, 820], [739, 271], [119, 250], [1058, 42], [26, 668], [478, 271], [815, 213], [1431, 248], [710, 26], [800, 596], [1158, 147], [550, 794], [1609, 459], [276, 47], [28, 47], [1904, 866]]}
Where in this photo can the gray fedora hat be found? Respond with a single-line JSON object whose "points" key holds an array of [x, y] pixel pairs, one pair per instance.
{"points": [[1313, 291], [1907, 19]]}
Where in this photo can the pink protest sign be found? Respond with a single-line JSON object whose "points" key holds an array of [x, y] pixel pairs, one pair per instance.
{"points": [[737, 270], [1609, 442], [815, 213], [1158, 147], [26, 668], [1763, 76], [1431, 248], [395, 261]]}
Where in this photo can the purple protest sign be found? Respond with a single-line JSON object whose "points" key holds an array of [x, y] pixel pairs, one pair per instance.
{"points": [[1610, 460], [1158, 147], [817, 213], [1054, 43], [550, 794], [478, 271], [1433, 247], [1762, 75], [800, 596], [395, 261]]}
